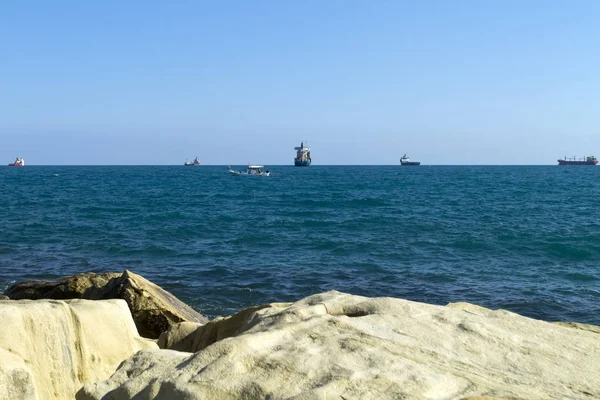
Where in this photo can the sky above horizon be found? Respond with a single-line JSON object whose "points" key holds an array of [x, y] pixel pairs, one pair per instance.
{"points": [[448, 82]]}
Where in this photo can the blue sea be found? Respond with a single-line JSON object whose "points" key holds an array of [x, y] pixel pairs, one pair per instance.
{"points": [[521, 238]]}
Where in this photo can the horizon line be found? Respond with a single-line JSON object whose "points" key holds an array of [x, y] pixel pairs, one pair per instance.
{"points": [[288, 165]]}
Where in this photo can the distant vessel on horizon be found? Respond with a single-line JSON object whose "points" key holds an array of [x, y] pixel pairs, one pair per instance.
{"points": [[406, 161], [195, 162], [302, 156], [589, 160], [19, 162]]}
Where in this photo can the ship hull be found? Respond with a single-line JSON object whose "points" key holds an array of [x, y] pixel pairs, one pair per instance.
{"points": [[299, 163], [568, 162], [411, 163]]}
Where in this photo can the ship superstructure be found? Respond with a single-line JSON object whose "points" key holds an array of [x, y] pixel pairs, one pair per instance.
{"points": [[192, 163], [406, 161], [302, 156], [19, 162]]}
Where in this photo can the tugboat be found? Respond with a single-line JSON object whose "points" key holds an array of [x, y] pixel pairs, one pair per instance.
{"points": [[590, 160], [406, 161], [302, 156], [19, 162], [195, 162]]}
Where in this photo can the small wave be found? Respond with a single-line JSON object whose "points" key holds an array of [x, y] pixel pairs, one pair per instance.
{"points": [[366, 202], [579, 277], [6, 285], [567, 251]]}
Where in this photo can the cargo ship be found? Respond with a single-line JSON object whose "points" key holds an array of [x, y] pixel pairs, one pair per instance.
{"points": [[190, 164], [590, 160], [406, 161], [19, 162], [302, 156]]}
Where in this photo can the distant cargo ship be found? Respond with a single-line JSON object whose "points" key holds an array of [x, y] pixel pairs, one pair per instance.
{"points": [[19, 162], [302, 156], [190, 164], [406, 161], [590, 160]]}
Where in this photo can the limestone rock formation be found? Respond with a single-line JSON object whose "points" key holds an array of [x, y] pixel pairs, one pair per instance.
{"points": [[50, 348], [191, 337], [179, 337], [154, 309], [88, 285], [576, 325], [340, 346]]}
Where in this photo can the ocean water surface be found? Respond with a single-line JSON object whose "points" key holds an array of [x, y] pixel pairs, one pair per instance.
{"points": [[526, 239]]}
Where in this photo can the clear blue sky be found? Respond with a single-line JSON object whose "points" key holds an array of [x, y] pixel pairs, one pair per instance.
{"points": [[449, 82]]}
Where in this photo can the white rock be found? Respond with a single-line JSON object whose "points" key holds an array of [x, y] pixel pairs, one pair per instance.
{"points": [[50, 348], [193, 337], [339, 346], [179, 337]]}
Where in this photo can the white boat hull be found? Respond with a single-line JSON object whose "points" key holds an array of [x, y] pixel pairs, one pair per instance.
{"points": [[250, 172], [241, 173]]}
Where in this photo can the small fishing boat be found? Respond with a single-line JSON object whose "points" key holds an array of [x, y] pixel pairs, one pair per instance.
{"points": [[19, 162], [253, 170]]}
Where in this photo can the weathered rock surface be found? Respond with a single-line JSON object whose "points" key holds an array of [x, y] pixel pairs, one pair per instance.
{"points": [[191, 337], [88, 285], [577, 325], [154, 309], [339, 346], [50, 348], [179, 337], [2, 297]]}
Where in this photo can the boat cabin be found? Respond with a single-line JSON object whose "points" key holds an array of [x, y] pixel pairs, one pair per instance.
{"points": [[255, 170]]}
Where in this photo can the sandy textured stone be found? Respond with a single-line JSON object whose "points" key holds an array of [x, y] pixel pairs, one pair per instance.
{"points": [[154, 309], [139, 372], [190, 338], [576, 325], [16, 379], [179, 337], [3, 297], [50, 348], [339, 346]]}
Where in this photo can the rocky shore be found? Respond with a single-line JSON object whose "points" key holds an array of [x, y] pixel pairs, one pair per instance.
{"points": [[118, 336]]}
